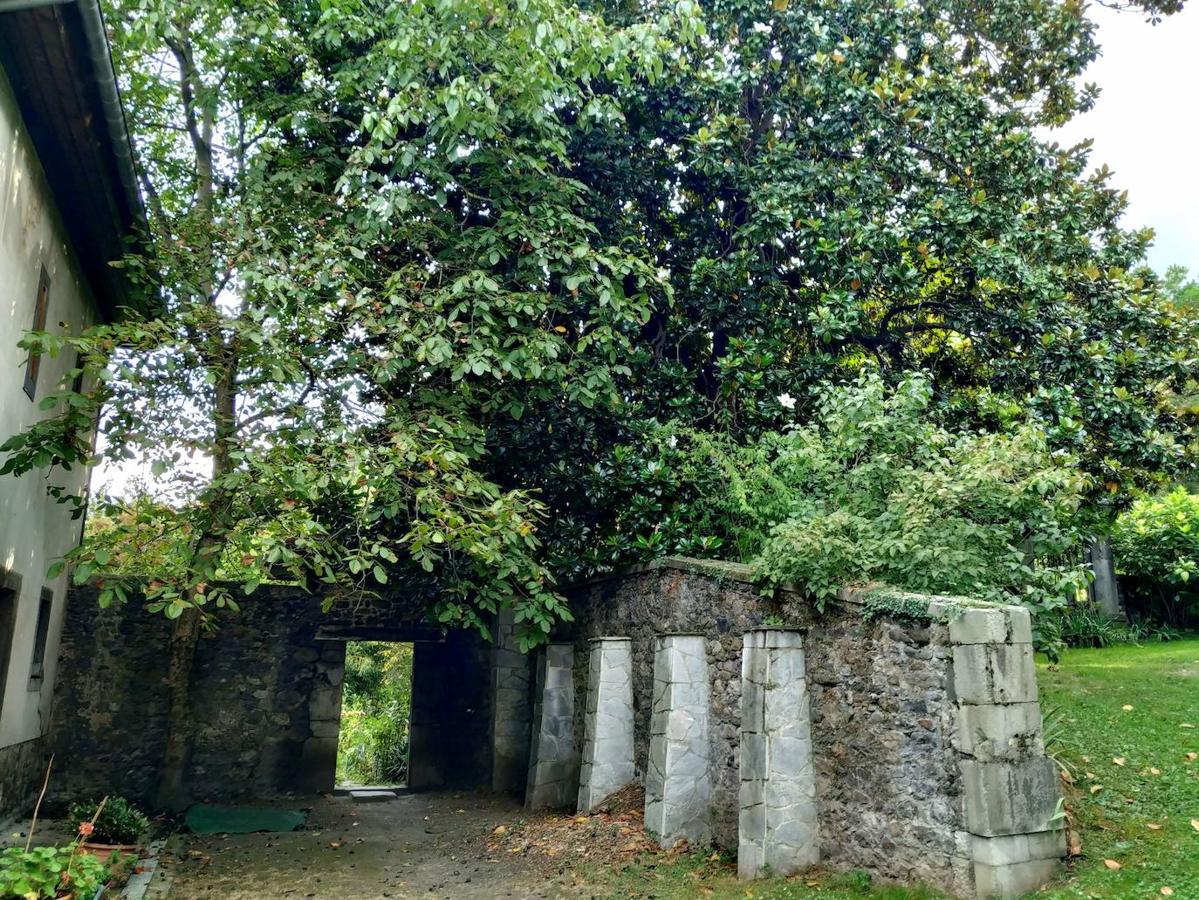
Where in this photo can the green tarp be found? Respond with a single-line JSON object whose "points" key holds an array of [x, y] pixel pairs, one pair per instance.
{"points": [[207, 818]]}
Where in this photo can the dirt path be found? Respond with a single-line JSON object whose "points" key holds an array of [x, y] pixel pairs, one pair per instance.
{"points": [[418, 845]]}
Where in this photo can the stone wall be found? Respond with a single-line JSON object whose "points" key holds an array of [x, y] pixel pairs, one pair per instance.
{"points": [[267, 696], [897, 792]]}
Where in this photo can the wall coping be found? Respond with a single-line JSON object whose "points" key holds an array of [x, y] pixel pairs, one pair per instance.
{"points": [[873, 596]]}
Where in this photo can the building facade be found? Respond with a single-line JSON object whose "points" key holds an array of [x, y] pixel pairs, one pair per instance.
{"points": [[68, 208]]}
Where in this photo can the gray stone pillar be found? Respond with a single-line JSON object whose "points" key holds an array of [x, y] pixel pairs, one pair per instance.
{"points": [[608, 722], [511, 712], [318, 756], [552, 762], [777, 827], [1104, 590], [1011, 790], [678, 787]]}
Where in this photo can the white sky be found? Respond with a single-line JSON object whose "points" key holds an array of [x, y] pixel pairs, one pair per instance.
{"points": [[1146, 125]]}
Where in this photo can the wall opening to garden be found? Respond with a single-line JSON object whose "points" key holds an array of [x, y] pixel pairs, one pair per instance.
{"points": [[376, 708]]}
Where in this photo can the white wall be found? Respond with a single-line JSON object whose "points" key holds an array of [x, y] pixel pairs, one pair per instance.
{"points": [[34, 530]]}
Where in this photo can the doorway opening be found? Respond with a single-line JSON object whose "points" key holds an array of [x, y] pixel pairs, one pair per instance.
{"points": [[376, 708]]}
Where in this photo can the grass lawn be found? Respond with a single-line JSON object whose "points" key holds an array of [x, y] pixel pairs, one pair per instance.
{"points": [[1118, 720]]}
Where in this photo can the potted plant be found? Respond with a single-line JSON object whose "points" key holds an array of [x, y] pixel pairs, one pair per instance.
{"points": [[109, 825]]}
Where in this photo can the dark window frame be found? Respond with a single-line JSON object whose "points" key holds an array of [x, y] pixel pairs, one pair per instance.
{"points": [[10, 599], [41, 308], [41, 639]]}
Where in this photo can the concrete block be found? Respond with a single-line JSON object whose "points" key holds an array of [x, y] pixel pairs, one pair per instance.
{"points": [[1005, 797], [1014, 880], [1005, 850], [979, 626], [994, 673], [1010, 731]]}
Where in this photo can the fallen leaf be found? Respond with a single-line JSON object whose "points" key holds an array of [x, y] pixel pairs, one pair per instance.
{"points": [[1191, 757], [1153, 826], [1195, 824], [1153, 771], [1075, 844], [1185, 725], [581, 820], [1167, 891], [1118, 760], [501, 829], [1126, 707], [1096, 788], [1067, 777], [1111, 864]]}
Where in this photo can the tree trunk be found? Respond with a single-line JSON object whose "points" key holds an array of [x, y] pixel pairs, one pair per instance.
{"points": [[174, 794], [1105, 591]]}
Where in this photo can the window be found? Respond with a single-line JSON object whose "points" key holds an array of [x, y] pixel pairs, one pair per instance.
{"points": [[10, 593], [39, 324], [37, 667]]}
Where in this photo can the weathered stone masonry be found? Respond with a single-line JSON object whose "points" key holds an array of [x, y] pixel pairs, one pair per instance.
{"points": [[267, 697], [898, 734], [898, 790]]}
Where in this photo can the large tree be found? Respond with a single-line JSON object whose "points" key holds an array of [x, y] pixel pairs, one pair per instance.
{"points": [[431, 267], [838, 186]]}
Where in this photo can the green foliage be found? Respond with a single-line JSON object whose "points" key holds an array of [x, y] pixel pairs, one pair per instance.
{"points": [[119, 822], [436, 271], [1179, 289], [1131, 703], [41, 873], [1156, 544], [874, 491], [1082, 625], [376, 705]]}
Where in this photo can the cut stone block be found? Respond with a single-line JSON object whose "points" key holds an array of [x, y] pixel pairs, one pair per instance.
{"points": [[1014, 880], [678, 789], [1018, 848], [607, 723], [994, 673], [777, 826], [997, 625], [371, 796], [552, 762], [1010, 797], [1010, 732]]}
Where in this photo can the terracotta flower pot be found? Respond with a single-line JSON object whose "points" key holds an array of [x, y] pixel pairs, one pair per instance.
{"points": [[103, 851]]}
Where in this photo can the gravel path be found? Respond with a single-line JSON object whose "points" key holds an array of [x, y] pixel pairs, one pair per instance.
{"points": [[418, 845]]}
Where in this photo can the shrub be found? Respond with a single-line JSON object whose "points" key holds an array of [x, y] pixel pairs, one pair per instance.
{"points": [[1081, 625], [46, 872], [1156, 546], [876, 490], [119, 822]]}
